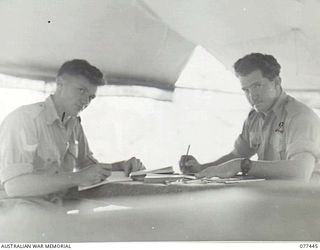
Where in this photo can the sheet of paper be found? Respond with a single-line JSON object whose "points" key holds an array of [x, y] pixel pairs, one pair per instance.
{"points": [[116, 176], [243, 180], [231, 180], [236, 179]]}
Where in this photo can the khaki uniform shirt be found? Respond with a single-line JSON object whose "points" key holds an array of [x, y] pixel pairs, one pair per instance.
{"points": [[289, 128], [34, 140]]}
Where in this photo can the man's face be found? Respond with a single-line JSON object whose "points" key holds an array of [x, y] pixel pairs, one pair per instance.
{"points": [[75, 93], [260, 91]]}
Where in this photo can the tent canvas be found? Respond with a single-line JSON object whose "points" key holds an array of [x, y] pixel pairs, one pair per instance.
{"points": [[148, 42]]}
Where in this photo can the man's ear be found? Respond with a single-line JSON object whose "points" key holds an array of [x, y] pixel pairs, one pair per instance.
{"points": [[59, 82], [277, 80]]}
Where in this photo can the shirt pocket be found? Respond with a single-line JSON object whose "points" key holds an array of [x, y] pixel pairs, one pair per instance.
{"points": [[48, 159]]}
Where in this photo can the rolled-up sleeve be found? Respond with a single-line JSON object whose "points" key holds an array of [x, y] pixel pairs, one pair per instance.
{"points": [[18, 143], [242, 143], [303, 135]]}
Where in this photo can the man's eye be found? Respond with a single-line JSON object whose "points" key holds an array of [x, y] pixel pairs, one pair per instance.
{"points": [[258, 85], [82, 90]]}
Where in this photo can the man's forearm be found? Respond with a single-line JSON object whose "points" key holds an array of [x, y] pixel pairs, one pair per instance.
{"points": [[37, 184], [117, 166], [284, 169], [221, 160]]}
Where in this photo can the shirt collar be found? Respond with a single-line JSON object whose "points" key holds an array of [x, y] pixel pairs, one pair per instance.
{"points": [[51, 112], [277, 106]]}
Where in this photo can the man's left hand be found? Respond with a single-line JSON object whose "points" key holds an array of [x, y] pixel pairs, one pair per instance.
{"points": [[132, 165]]}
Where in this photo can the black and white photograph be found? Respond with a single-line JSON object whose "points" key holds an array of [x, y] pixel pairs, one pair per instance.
{"points": [[160, 124]]}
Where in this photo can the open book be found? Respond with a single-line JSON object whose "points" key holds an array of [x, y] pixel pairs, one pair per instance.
{"points": [[166, 178], [140, 175], [116, 176], [160, 175]]}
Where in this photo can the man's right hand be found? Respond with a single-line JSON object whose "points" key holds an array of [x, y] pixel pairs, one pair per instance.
{"points": [[93, 174], [189, 165]]}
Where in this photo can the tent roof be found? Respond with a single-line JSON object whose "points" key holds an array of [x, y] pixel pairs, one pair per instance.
{"points": [[148, 42], [228, 29], [121, 37]]}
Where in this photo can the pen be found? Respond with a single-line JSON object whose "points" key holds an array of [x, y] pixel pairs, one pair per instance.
{"points": [[188, 150], [185, 158]]}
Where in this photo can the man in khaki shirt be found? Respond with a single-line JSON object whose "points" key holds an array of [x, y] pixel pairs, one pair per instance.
{"points": [[43, 148], [283, 132]]}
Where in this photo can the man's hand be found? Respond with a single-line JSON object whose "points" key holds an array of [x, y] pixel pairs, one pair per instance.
{"points": [[189, 165], [93, 174], [132, 165], [224, 170]]}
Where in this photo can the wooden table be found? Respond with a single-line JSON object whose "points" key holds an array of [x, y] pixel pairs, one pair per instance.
{"points": [[130, 211]]}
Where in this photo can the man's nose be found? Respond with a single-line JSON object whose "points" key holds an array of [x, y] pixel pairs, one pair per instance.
{"points": [[254, 94], [85, 99]]}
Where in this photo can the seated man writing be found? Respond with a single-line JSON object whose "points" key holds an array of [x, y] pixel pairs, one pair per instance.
{"points": [[43, 148], [283, 132]]}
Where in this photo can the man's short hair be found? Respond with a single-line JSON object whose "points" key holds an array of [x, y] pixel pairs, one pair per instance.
{"points": [[82, 67], [267, 64]]}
